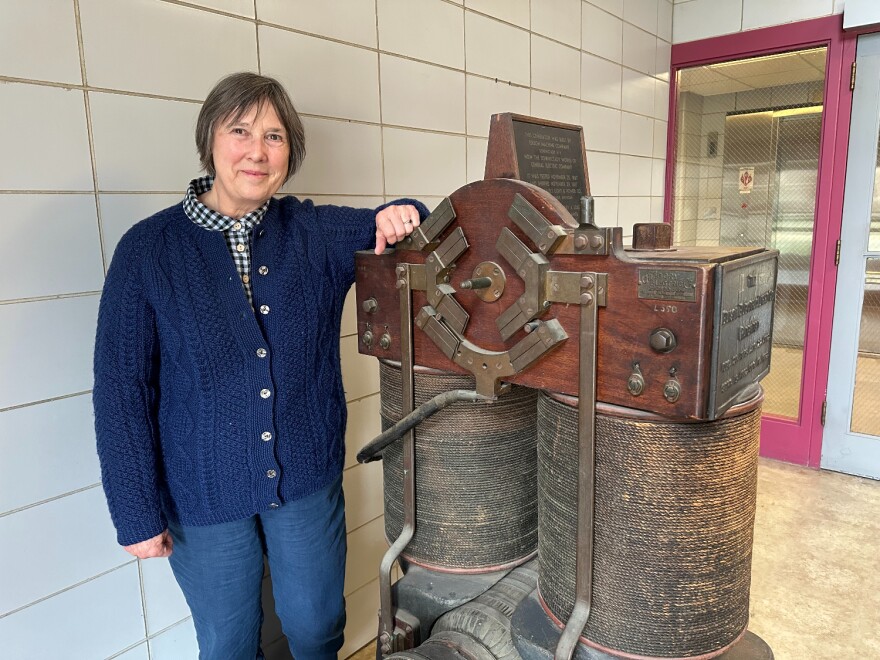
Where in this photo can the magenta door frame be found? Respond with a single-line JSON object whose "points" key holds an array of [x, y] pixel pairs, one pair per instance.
{"points": [[795, 441]]}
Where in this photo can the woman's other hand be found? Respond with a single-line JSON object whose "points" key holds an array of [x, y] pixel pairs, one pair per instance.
{"points": [[158, 546], [394, 223]]}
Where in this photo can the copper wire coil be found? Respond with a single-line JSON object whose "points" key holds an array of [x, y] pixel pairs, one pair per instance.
{"points": [[476, 476], [674, 516]]}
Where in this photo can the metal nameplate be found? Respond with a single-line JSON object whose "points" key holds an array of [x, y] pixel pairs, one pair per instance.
{"points": [[663, 284], [745, 291], [551, 158]]}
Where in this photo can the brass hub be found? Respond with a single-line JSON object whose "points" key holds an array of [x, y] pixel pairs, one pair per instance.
{"points": [[495, 273]]}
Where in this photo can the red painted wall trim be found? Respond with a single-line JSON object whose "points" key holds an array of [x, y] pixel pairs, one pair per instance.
{"points": [[801, 441]]}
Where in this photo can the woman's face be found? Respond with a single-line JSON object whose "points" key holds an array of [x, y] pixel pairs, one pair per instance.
{"points": [[250, 161]]}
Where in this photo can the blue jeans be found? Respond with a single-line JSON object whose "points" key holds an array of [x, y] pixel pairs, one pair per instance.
{"points": [[220, 570]]}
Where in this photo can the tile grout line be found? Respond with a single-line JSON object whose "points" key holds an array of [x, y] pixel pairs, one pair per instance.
{"points": [[90, 131], [144, 604], [379, 92], [66, 589], [48, 500], [41, 401], [59, 296]]}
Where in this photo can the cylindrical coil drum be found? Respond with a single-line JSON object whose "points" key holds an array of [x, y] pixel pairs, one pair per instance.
{"points": [[674, 516], [476, 484]]}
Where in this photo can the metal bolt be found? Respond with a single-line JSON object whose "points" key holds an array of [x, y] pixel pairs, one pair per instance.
{"points": [[367, 338], [496, 293], [586, 282], [546, 304], [400, 283], [530, 326], [580, 242], [586, 298], [496, 271], [385, 341], [370, 305], [401, 270], [595, 242], [550, 233], [542, 246]]}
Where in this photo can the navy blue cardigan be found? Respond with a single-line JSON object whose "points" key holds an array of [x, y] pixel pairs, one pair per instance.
{"points": [[205, 411]]}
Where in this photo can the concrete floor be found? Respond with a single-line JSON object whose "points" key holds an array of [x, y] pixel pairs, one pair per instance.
{"points": [[816, 565]]}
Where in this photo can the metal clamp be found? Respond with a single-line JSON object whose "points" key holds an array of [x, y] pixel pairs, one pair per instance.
{"points": [[545, 235], [531, 267], [424, 236]]}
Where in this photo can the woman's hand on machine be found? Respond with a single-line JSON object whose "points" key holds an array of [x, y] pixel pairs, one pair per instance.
{"points": [[394, 223]]}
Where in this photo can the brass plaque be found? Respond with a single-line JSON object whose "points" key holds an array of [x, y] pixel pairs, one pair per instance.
{"points": [[745, 292], [661, 284], [550, 157]]}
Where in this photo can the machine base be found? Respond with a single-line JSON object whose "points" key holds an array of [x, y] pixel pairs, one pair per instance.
{"points": [[427, 595], [535, 637]]}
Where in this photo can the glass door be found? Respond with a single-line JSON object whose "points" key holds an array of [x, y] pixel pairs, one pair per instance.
{"points": [[852, 430], [747, 156]]}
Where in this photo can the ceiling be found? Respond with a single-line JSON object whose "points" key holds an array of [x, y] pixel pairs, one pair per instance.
{"points": [[755, 73]]}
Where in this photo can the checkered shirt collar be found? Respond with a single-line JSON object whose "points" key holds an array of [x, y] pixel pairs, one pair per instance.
{"points": [[213, 220]]}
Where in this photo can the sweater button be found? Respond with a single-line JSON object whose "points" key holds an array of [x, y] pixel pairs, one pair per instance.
{"points": [[273, 505], [263, 270], [261, 352], [264, 309], [265, 436], [265, 393], [270, 474]]}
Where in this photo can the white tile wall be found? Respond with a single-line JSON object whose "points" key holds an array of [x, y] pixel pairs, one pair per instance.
{"points": [[363, 500], [639, 49], [24, 32], [364, 424], [555, 107], [557, 19], [429, 30], [421, 95], [143, 143], [342, 158], [699, 19], [345, 85], [56, 246], [366, 545], [47, 345], [440, 160], [496, 50], [93, 620], [601, 127], [600, 81], [164, 601], [512, 11], [175, 643], [347, 20], [486, 97], [757, 14], [396, 97], [71, 539], [555, 67], [601, 33], [49, 148], [54, 440], [149, 59]]}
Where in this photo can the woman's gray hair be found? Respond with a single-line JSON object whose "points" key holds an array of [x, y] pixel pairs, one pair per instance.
{"points": [[234, 96]]}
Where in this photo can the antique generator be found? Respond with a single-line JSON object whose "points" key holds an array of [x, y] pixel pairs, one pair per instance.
{"points": [[547, 391]]}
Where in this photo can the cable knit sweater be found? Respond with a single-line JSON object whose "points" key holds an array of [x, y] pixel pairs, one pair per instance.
{"points": [[208, 410]]}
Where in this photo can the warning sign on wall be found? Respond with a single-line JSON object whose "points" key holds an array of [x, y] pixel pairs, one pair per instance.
{"points": [[746, 179]]}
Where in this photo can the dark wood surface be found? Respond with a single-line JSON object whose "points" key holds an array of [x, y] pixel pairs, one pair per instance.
{"points": [[625, 324]]}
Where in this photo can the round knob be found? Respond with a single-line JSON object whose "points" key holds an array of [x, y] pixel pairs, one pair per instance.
{"points": [[671, 391], [385, 341], [370, 305], [636, 384], [663, 340], [367, 338]]}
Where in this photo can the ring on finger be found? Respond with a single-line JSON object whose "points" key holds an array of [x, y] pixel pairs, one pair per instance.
{"points": [[407, 222]]}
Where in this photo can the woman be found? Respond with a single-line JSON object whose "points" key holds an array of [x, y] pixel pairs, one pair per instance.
{"points": [[218, 398]]}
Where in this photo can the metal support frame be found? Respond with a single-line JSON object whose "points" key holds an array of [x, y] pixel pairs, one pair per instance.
{"points": [[391, 637], [586, 468]]}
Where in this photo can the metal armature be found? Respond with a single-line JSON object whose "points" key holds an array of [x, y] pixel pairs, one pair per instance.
{"points": [[590, 299], [391, 636]]}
